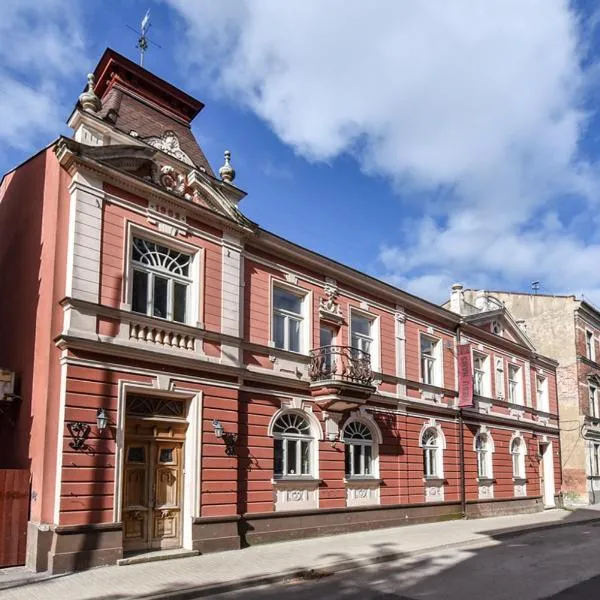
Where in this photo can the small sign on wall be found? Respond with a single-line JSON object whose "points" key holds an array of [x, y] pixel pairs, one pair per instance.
{"points": [[465, 376]]}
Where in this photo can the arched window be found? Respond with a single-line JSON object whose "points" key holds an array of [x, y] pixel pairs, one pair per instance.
{"points": [[484, 456], [358, 439], [517, 451], [431, 453], [161, 281], [293, 446]]}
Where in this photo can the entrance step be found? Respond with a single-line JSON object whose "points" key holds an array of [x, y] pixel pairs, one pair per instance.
{"points": [[155, 555]]}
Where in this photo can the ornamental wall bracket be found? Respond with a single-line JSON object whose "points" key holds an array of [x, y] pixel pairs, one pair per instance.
{"points": [[329, 309], [169, 144]]}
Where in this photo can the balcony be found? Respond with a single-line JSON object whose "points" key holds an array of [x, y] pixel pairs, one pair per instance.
{"points": [[341, 377]]}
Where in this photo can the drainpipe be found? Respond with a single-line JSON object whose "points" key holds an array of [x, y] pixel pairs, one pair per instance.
{"points": [[463, 490], [461, 445]]}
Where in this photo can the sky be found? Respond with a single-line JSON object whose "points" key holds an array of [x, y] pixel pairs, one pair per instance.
{"points": [[422, 142]]}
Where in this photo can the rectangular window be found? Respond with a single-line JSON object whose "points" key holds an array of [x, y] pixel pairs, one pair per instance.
{"points": [[482, 470], [287, 320], [514, 385], [593, 390], [590, 351], [430, 462], [595, 460], [541, 384], [291, 457], [480, 376], [500, 378], [361, 333], [160, 280], [429, 360]]}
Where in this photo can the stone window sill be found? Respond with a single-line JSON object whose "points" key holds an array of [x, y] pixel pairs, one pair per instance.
{"points": [[520, 480], [434, 480], [362, 481], [295, 480], [486, 480]]}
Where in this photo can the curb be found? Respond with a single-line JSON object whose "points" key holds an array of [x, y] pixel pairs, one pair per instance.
{"points": [[324, 571]]}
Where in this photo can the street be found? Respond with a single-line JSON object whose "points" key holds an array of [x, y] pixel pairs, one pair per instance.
{"points": [[561, 564]]}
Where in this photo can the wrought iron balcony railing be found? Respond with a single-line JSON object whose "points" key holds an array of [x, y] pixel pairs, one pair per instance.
{"points": [[340, 363]]}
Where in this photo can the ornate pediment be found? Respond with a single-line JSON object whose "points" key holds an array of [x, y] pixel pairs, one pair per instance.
{"points": [[169, 144]]}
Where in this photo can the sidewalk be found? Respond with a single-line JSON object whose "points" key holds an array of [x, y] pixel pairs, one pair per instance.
{"points": [[213, 573]]}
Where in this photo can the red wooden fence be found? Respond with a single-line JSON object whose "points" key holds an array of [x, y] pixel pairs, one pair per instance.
{"points": [[14, 512]]}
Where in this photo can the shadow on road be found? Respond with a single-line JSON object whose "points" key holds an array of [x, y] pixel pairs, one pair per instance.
{"points": [[558, 563]]}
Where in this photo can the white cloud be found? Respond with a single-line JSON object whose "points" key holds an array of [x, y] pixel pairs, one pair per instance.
{"points": [[482, 99], [41, 44]]}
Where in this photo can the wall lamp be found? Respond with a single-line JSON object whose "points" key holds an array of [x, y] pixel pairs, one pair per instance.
{"points": [[80, 431], [230, 439]]}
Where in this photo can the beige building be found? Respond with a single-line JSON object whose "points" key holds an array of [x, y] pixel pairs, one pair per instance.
{"points": [[567, 329]]}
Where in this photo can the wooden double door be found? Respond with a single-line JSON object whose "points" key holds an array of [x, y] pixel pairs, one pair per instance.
{"points": [[152, 493]]}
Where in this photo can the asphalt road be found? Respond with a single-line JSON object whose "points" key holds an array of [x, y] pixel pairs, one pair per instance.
{"points": [[558, 564]]}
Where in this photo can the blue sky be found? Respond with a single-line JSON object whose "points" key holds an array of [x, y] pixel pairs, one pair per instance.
{"points": [[422, 142]]}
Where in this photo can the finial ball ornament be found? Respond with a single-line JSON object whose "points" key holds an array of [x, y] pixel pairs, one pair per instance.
{"points": [[227, 172], [88, 100]]}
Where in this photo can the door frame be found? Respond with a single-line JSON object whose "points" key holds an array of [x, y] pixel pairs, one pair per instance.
{"points": [[191, 449], [547, 468]]}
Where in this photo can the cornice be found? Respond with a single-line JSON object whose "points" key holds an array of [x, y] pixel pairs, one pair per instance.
{"points": [[71, 161], [266, 240]]}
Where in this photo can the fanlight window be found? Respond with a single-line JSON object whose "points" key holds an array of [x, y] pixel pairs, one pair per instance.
{"points": [[431, 450], [293, 446], [161, 280], [358, 439]]}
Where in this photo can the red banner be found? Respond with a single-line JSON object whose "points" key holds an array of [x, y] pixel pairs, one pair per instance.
{"points": [[465, 376]]}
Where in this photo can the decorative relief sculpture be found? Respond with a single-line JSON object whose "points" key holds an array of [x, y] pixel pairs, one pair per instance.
{"points": [[169, 144], [329, 309], [171, 180]]}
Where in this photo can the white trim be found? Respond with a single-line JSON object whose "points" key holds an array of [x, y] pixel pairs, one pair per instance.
{"points": [[306, 295], [364, 418], [195, 311], [143, 212], [316, 436], [438, 357], [548, 466], [147, 372], [62, 401], [375, 350], [432, 424], [192, 471], [486, 390]]}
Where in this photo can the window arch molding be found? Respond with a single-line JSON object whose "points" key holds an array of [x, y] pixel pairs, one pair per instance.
{"points": [[315, 426], [434, 425], [517, 448], [484, 448], [433, 442], [367, 420], [361, 454], [282, 442]]}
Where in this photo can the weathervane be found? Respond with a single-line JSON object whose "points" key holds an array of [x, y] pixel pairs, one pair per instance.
{"points": [[143, 40]]}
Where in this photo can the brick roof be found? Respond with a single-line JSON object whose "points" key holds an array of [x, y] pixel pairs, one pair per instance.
{"points": [[128, 113]]}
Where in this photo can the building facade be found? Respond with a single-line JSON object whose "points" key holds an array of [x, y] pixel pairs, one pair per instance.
{"points": [[191, 380], [567, 329]]}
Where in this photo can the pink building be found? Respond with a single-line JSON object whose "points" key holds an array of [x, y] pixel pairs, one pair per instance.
{"points": [[253, 390]]}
